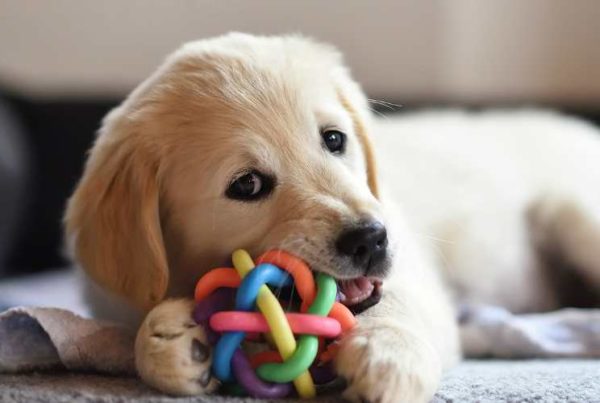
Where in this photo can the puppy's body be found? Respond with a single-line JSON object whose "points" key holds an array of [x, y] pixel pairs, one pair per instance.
{"points": [[469, 200], [480, 192]]}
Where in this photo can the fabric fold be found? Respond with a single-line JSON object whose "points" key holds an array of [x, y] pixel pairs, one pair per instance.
{"points": [[42, 338]]}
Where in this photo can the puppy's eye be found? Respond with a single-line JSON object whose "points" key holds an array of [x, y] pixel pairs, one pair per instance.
{"points": [[334, 140], [250, 186]]}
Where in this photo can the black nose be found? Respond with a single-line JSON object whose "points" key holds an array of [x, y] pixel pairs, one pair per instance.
{"points": [[365, 244]]}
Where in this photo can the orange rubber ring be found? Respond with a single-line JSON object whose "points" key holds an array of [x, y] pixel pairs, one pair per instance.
{"points": [[329, 353], [216, 278], [305, 284], [298, 269], [342, 314]]}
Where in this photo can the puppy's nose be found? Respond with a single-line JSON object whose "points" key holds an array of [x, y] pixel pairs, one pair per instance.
{"points": [[365, 244]]}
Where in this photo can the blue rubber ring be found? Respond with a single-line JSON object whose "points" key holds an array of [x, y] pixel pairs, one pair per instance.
{"points": [[226, 346], [245, 301], [264, 273]]}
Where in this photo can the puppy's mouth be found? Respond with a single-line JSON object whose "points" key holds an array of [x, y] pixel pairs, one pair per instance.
{"points": [[359, 294]]}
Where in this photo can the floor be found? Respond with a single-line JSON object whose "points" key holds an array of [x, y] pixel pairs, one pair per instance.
{"points": [[472, 381]]}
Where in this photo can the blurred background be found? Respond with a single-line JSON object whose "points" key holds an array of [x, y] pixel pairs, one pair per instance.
{"points": [[65, 63]]}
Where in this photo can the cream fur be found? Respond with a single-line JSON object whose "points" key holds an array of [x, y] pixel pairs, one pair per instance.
{"points": [[468, 201], [484, 192]]}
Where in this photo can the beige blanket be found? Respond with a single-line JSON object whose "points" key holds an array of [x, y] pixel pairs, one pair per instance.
{"points": [[43, 338]]}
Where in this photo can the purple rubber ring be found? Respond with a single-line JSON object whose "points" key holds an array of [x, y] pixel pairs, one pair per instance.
{"points": [[323, 374], [255, 387], [220, 300]]}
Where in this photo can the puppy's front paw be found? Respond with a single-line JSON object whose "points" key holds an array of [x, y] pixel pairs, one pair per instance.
{"points": [[171, 351], [384, 362]]}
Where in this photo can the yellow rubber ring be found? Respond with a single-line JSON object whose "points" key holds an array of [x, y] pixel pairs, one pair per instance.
{"points": [[280, 329]]}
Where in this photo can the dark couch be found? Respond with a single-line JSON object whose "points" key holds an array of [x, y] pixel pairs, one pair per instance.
{"points": [[42, 150]]}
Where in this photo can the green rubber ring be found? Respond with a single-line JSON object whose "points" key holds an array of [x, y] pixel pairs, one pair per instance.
{"points": [[308, 345], [326, 292], [287, 371], [233, 389]]}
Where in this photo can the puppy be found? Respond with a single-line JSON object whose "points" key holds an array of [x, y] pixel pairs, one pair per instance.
{"points": [[265, 142]]}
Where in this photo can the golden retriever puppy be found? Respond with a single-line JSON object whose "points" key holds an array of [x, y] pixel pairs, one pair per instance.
{"points": [[265, 142]]}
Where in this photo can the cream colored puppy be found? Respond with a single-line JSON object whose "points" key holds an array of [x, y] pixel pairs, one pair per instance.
{"points": [[263, 142]]}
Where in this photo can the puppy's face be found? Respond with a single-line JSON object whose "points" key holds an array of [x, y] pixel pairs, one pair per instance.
{"points": [[254, 143]]}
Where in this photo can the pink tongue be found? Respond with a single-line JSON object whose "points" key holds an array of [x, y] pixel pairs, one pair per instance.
{"points": [[356, 290]]}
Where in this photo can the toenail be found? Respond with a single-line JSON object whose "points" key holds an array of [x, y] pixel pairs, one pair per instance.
{"points": [[204, 378], [200, 351]]}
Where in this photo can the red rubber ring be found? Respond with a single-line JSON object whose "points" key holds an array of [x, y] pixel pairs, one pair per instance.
{"points": [[300, 323]]}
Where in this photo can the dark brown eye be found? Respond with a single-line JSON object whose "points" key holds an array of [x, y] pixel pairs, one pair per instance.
{"points": [[250, 186], [334, 140]]}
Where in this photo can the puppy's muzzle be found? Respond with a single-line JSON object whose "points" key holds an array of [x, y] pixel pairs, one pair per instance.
{"points": [[366, 245]]}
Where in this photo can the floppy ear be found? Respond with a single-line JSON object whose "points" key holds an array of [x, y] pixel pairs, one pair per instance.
{"points": [[112, 219], [360, 127]]}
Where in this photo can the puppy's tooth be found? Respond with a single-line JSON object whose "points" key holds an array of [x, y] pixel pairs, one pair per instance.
{"points": [[200, 352], [204, 379]]}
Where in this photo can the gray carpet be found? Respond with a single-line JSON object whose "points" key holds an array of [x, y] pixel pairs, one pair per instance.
{"points": [[523, 381], [472, 381]]}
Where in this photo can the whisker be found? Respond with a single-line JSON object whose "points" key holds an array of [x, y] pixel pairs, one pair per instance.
{"points": [[442, 240], [439, 253], [290, 302], [375, 111], [387, 104]]}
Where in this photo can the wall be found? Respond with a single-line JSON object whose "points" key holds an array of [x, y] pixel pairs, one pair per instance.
{"points": [[460, 50]]}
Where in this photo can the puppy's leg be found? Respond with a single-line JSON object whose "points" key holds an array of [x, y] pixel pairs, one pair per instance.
{"points": [[171, 350], [399, 348], [568, 228]]}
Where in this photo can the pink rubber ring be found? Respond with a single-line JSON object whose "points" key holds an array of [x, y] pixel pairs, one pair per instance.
{"points": [[301, 323]]}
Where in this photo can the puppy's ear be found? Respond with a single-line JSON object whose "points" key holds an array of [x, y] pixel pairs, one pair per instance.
{"points": [[112, 219], [360, 127]]}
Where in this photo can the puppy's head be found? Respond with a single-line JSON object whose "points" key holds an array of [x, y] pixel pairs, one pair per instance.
{"points": [[235, 142]]}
